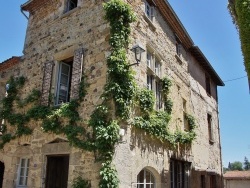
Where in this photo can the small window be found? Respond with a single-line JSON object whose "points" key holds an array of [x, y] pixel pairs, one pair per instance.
{"points": [[71, 4], [149, 11], [178, 48], [23, 170], [208, 86], [184, 110], [145, 179], [64, 82], [149, 60], [210, 128]]}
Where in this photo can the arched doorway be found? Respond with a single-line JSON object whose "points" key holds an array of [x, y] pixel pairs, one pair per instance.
{"points": [[1, 174]]}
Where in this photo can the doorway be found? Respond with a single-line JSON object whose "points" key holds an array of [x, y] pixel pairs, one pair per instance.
{"points": [[57, 171], [1, 173]]}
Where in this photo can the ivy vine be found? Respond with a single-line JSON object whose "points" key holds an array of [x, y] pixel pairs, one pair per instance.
{"points": [[240, 12], [155, 123]]}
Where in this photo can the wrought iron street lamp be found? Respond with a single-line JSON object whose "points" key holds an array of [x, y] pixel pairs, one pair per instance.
{"points": [[138, 50]]}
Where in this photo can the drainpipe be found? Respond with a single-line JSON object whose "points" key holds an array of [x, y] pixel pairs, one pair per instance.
{"points": [[24, 14], [222, 180]]}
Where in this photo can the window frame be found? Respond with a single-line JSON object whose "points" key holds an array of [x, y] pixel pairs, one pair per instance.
{"points": [[210, 128], [69, 3], [149, 11], [153, 77], [145, 184], [59, 78], [26, 172]]}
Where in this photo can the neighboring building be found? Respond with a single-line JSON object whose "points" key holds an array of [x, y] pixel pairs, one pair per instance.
{"points": [[237, 179], [68, 39], [8, 68]]}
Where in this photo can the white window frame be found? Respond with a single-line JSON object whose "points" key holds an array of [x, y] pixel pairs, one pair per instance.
{"points": [[59, 85], [145, 184], [153, 78], [149, 11], [24, 175]]}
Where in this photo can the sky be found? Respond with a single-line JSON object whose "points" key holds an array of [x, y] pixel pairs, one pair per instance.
{"points": [[210, 26]]}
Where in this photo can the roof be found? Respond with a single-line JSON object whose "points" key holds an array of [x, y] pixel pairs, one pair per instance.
{"points": [[237, 175], [172, 19], [9, 63]]}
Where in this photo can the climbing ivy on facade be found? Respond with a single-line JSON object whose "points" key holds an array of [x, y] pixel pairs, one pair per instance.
{"points": [[240, 12]]}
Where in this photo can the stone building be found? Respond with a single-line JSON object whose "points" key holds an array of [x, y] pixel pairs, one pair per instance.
{"points": [[68, 40]]}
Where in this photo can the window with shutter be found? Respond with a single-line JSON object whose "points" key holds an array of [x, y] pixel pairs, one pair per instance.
{"points": [[69, 78]]}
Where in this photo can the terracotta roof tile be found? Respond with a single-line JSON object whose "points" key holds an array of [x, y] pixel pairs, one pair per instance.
{"points": [[9, 63], [237, 175]]}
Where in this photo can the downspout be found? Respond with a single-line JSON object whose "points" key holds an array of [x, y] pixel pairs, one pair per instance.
{"points": [[222, 182], [24, 14]]}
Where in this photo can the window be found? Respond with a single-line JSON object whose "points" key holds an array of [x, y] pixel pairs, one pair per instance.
{"points": [[149, 11], [71, 4], [203, 181], [153, 78], [23, 170], [210, 128], [178, 48], [145, 179], [184, 109], [179, 174], [64, 82], [208, 86]]}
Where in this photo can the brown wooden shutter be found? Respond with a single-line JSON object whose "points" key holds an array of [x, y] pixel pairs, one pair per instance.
{"points": [[47, 77], [76, 73]]}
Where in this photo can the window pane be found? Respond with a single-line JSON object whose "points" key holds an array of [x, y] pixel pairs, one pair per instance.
{"points": [[23, 162]]}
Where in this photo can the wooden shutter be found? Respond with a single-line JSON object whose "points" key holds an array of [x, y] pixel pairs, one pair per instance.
{"points": [[47, 77], [76, 73]]}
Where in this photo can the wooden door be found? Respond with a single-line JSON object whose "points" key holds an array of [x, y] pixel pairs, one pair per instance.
{"points": [[57, 171]]}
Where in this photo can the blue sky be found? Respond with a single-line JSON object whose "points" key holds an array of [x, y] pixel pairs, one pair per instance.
{"points": [[210, 26]]}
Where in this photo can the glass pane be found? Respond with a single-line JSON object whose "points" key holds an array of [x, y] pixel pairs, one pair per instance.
{"points": [[148, 177], [140, 177], [65, 69], [23, 162], [64, 79], [22, 170], [21, 181]]}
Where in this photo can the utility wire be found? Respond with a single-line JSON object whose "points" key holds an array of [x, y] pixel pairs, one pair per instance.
{"points": [[235, 79]]}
